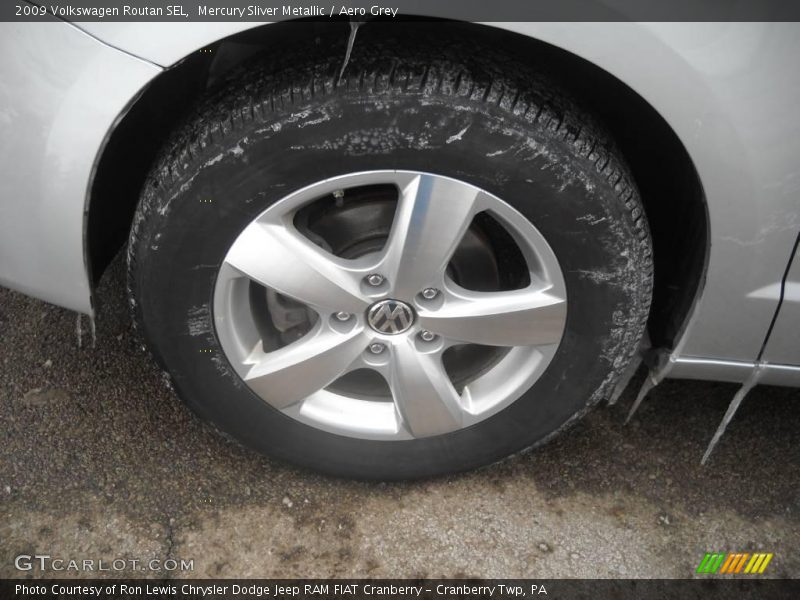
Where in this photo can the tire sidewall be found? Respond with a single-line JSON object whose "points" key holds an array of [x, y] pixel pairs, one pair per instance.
{"points": [[195, 219]]}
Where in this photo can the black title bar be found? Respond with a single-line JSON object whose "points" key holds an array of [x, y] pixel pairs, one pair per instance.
{"points": [[463, 10], [401, 589]]}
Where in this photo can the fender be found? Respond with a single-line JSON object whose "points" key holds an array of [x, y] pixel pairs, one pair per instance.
{"points": [[728, 90]]}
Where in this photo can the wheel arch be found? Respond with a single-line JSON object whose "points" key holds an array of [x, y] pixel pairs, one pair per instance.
{"points": [[671, 189]]}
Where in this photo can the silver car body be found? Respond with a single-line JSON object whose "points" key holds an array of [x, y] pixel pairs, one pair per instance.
{"points": [[728, 90]]}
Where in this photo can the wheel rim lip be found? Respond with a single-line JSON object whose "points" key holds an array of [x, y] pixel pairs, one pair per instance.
{"points": [[333, 412]]}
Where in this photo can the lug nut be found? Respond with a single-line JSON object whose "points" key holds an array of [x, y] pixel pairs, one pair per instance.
{"points": [[427, 336], [376, 348], [375, 279], [430, 293], [342, 315]]}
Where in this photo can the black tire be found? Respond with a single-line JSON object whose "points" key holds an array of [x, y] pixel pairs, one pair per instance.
{"points": [[276, 128]]}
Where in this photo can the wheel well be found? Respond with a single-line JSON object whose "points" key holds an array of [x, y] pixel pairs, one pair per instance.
{"points": [[671, 190]]}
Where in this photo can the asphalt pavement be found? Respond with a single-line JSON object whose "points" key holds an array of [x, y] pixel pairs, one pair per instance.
{"points": [[99, 460]]}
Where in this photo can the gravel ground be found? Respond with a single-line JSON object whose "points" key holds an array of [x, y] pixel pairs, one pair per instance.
{"points": [[100, 460]]}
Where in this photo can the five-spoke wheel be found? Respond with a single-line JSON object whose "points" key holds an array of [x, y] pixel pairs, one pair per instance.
{"points": [[394, 310], [420, 265]]}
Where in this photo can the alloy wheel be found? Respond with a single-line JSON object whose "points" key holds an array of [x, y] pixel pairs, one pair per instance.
{"points": [[370, 330]]}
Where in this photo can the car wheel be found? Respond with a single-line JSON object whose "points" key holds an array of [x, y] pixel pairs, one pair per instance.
{"points": [[419, 266]]}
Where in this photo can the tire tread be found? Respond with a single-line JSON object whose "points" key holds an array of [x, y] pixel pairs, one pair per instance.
{"points": [[265, 90]]}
